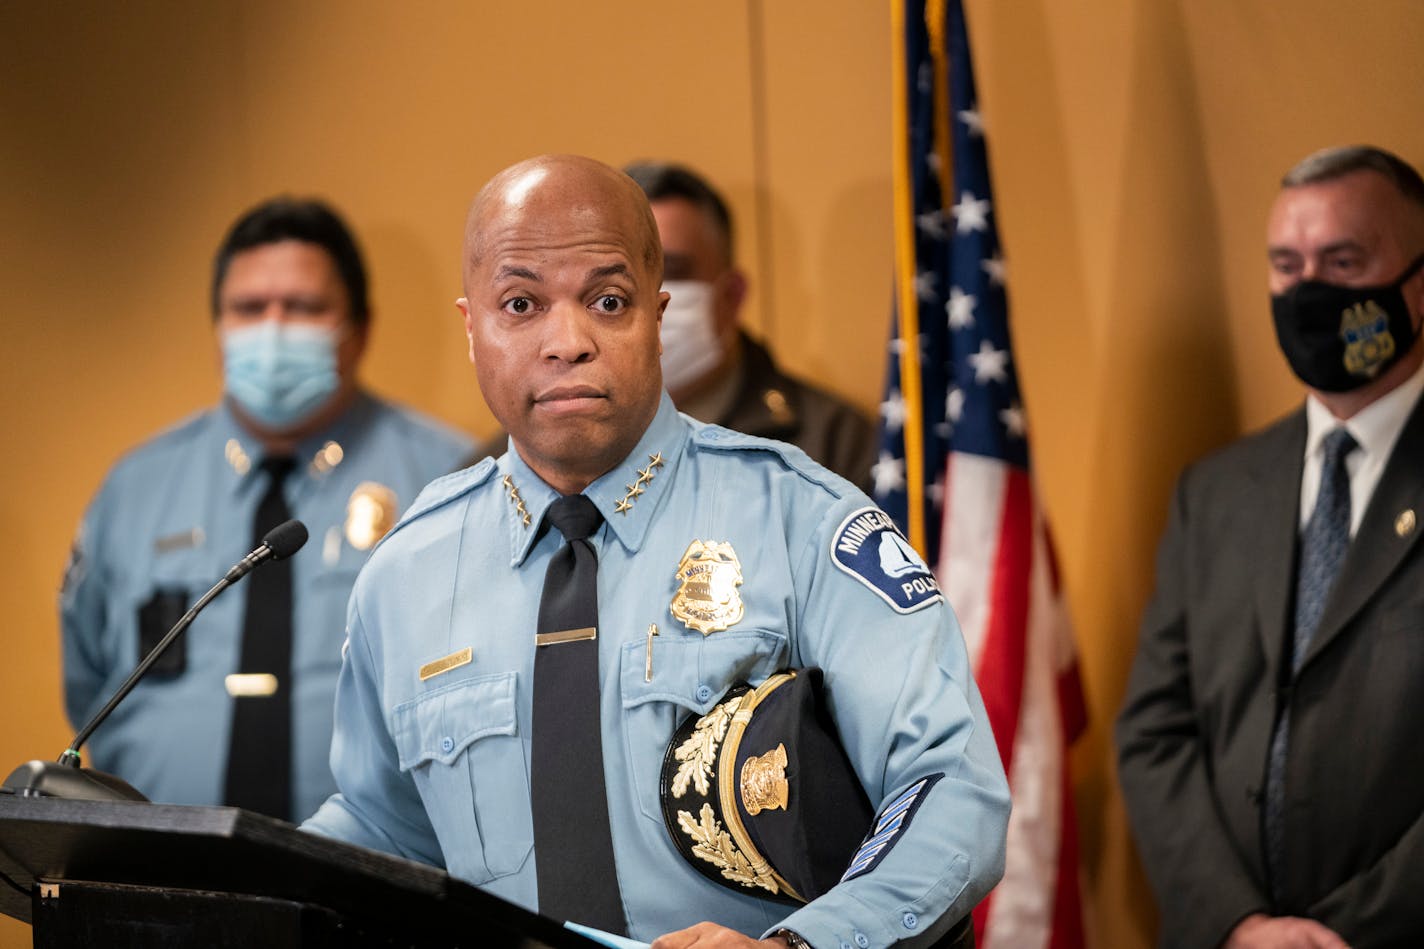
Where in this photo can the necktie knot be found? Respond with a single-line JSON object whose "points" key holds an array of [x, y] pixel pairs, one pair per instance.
{"points": [[574, 516], [1337, 447], [278, 467]]}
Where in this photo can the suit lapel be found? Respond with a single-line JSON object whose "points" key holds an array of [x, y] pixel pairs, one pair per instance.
{"points": [[1378, 549], [1272, 526]]}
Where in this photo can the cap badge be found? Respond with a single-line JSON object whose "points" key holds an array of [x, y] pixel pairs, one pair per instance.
{"points": [[763, 785], [708, 576]]}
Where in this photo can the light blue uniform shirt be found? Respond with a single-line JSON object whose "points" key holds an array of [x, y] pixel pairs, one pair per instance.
{"points": [[438, 769], [171, 517]]}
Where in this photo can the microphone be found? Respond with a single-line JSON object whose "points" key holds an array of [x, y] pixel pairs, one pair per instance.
{"points": [[65, 778], [279, 543]]}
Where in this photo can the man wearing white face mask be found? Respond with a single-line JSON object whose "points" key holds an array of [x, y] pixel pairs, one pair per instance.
{"points": [[713, 370], [240, 710]]}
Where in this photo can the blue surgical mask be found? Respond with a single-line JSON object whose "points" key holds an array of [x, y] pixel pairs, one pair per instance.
{"points": [[280, 373]]}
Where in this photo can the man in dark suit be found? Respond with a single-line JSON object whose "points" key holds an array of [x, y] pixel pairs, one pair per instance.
{"points": [[1271, 747]]}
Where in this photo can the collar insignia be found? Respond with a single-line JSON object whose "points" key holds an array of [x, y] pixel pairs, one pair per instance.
{"points": [[516, 500], [634, 490], [327, 457], [236, 457]]}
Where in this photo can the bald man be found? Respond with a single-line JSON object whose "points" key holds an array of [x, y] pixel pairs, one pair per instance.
{"points": [[525, 644]]}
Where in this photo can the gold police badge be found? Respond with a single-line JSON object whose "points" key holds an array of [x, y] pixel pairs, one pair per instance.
{"points": [[1368, 342], [370, 513], [708, 576]]}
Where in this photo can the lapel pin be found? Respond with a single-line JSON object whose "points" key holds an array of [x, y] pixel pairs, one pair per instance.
{"points": [[1404, 523]]}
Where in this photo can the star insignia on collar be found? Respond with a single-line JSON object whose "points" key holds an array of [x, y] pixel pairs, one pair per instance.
{"points": [[326, 458], [634, 490], [517, 501], [236, 457]]}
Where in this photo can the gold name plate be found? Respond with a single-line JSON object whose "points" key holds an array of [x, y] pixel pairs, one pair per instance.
{"points": [[453, 661]]}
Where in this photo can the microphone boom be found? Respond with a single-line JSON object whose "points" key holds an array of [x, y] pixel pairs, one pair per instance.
{"points": [[41, 778]]}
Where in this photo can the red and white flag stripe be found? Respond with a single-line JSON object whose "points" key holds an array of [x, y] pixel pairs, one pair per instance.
{"points": [[998, 571]]}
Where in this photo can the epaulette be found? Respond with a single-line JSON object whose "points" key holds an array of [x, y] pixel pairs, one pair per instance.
{"points": [[717, 438], [442, 491]]}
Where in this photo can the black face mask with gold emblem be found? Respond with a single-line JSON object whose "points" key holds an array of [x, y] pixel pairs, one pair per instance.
{"points": [[1340, 338]]}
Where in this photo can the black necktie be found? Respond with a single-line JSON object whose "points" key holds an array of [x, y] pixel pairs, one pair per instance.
{"points": [[259, 762], [1323, 543], [573, 846]]}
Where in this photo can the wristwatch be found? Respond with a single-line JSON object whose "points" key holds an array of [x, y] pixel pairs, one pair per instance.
{"points": [[793, 939]]}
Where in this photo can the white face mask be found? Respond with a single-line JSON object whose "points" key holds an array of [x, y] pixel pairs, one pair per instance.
{"points": [[691, 348]]}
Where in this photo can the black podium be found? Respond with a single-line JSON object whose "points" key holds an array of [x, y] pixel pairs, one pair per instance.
{"points": [[123, 874]]}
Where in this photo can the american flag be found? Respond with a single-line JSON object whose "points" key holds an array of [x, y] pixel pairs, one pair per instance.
{"points": [[954, 470]]}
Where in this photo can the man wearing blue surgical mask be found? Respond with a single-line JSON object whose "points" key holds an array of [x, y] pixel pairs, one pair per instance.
{"points": [[1271, 757], [239, 711]]}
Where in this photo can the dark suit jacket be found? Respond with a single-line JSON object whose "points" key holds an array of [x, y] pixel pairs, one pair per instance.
{"points": [[1207, 682]]}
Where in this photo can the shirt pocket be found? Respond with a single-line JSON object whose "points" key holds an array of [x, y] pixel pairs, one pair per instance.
{"points": [[690, 675], [461, 745], [155, 599]]}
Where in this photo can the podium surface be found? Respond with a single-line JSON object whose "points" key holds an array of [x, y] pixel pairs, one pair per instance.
{"points": [[139, 874]]}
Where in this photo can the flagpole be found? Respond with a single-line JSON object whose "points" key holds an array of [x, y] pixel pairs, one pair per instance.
{"points": [[906, 302]]}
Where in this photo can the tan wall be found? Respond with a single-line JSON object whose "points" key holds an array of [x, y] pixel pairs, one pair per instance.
{"points": [[1135, 144]]}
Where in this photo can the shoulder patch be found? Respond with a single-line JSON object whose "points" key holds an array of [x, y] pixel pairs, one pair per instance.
{"points": [[869, 547], [888, 827], [442, 491]]}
